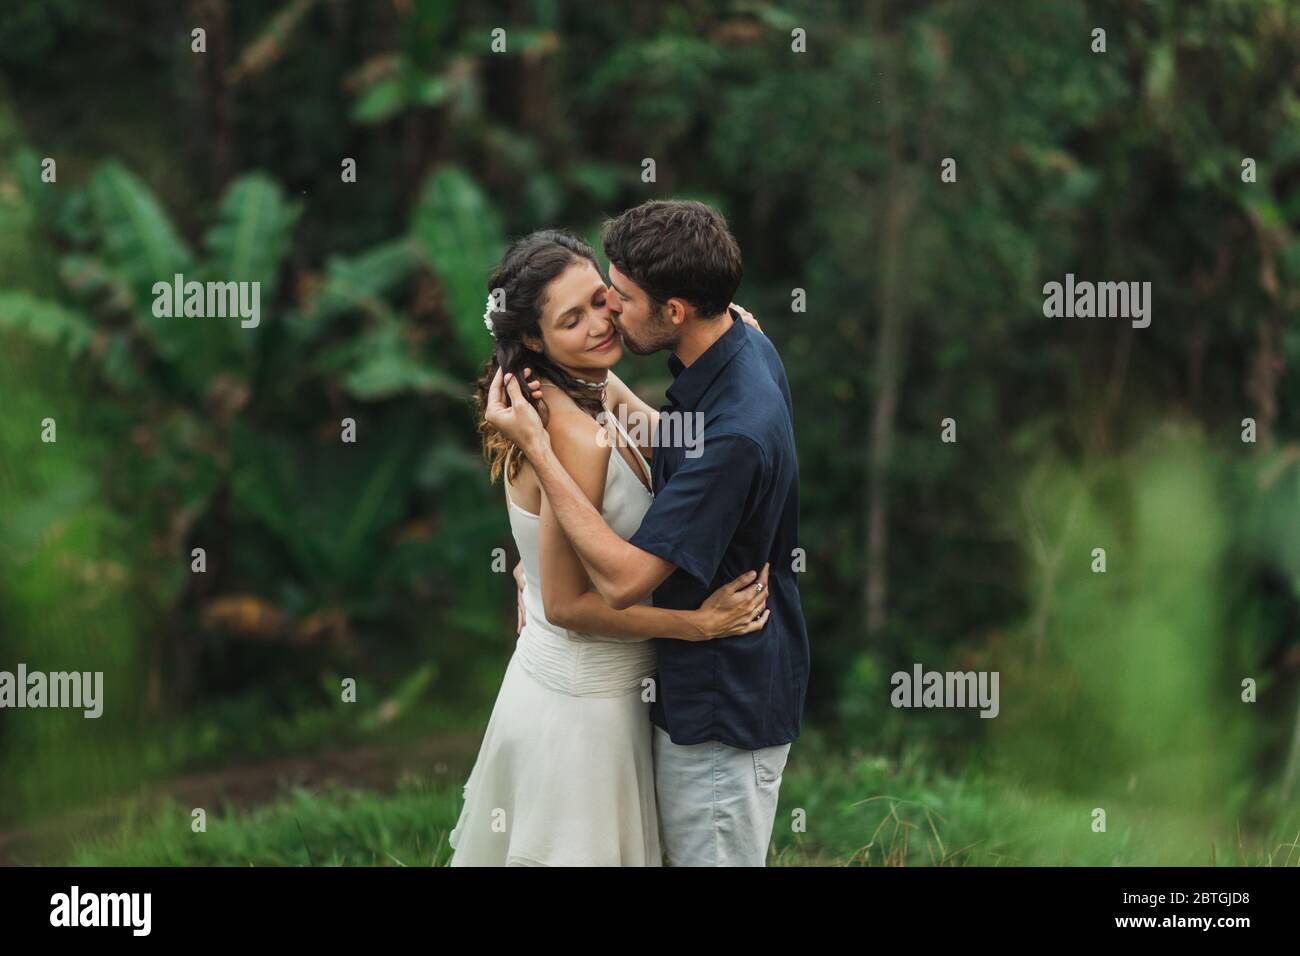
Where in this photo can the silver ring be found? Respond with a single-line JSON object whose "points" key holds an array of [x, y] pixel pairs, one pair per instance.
{"points": [[759, 586]]}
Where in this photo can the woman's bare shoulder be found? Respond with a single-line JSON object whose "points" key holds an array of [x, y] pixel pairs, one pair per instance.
{"points": [[565, 417], [575, 435]]}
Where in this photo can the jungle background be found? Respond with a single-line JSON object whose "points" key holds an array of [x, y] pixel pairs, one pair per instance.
{"points": [[372, 560]]}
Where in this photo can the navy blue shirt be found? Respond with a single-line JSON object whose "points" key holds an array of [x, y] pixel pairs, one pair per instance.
{"points": [[726, 501]]}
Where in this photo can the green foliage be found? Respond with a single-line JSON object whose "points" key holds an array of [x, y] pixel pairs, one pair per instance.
{"points": [[44, 321], [1132, 676], [251, 237], [459, 233], [1125, 165]]}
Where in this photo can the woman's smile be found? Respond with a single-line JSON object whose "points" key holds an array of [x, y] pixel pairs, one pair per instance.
{"points": [[607, 343]]}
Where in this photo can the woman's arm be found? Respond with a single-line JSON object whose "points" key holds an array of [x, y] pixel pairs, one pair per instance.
{"points": [[588, 613], [567, 595]]}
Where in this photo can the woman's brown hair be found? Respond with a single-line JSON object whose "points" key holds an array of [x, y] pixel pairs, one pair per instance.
{"points": [[523, 274]]}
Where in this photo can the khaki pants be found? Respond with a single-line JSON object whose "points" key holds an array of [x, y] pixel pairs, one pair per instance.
{"points": [[716, 803]]}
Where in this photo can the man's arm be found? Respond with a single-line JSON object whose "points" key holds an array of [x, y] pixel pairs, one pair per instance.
{"points": [[622, 573]]}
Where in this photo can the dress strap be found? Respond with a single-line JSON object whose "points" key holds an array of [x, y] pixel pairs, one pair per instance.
{"points": [[645, 465]]}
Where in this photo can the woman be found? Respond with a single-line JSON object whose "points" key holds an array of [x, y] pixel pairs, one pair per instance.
{"points": [[565, 774]]}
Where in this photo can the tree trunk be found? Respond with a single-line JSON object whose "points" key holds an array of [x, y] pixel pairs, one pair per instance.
{"points": [[213, 130], [900, 197], [1262, 385]]}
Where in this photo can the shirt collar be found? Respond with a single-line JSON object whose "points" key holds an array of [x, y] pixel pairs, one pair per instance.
{"points": [[691, 382]]}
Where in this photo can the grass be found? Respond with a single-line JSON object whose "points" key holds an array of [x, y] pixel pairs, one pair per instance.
{"points": [[302, 828], [836, 810], [869, 811]]}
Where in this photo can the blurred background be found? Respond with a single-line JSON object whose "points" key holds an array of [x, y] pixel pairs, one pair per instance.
{"points": [[1120, 690]]}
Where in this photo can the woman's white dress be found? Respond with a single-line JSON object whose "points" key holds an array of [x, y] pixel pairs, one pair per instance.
{"points": [[565, 774]]}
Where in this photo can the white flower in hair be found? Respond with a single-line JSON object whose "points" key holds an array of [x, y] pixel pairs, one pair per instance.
{"points": [[495, 303]]}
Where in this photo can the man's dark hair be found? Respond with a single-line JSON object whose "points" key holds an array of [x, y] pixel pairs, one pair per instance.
{"points": [[676, 249]]}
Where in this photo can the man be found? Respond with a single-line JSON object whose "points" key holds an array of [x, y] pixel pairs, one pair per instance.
{"points": [[725, 711]]}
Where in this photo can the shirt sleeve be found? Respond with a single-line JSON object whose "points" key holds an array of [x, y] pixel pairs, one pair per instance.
{"points": [[695, 516]]}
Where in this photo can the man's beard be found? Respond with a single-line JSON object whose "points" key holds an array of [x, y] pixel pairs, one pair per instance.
{"points": [[660, 336]]}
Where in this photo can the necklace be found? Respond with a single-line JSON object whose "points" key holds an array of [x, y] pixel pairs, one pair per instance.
{"points": [[600, 384]]}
